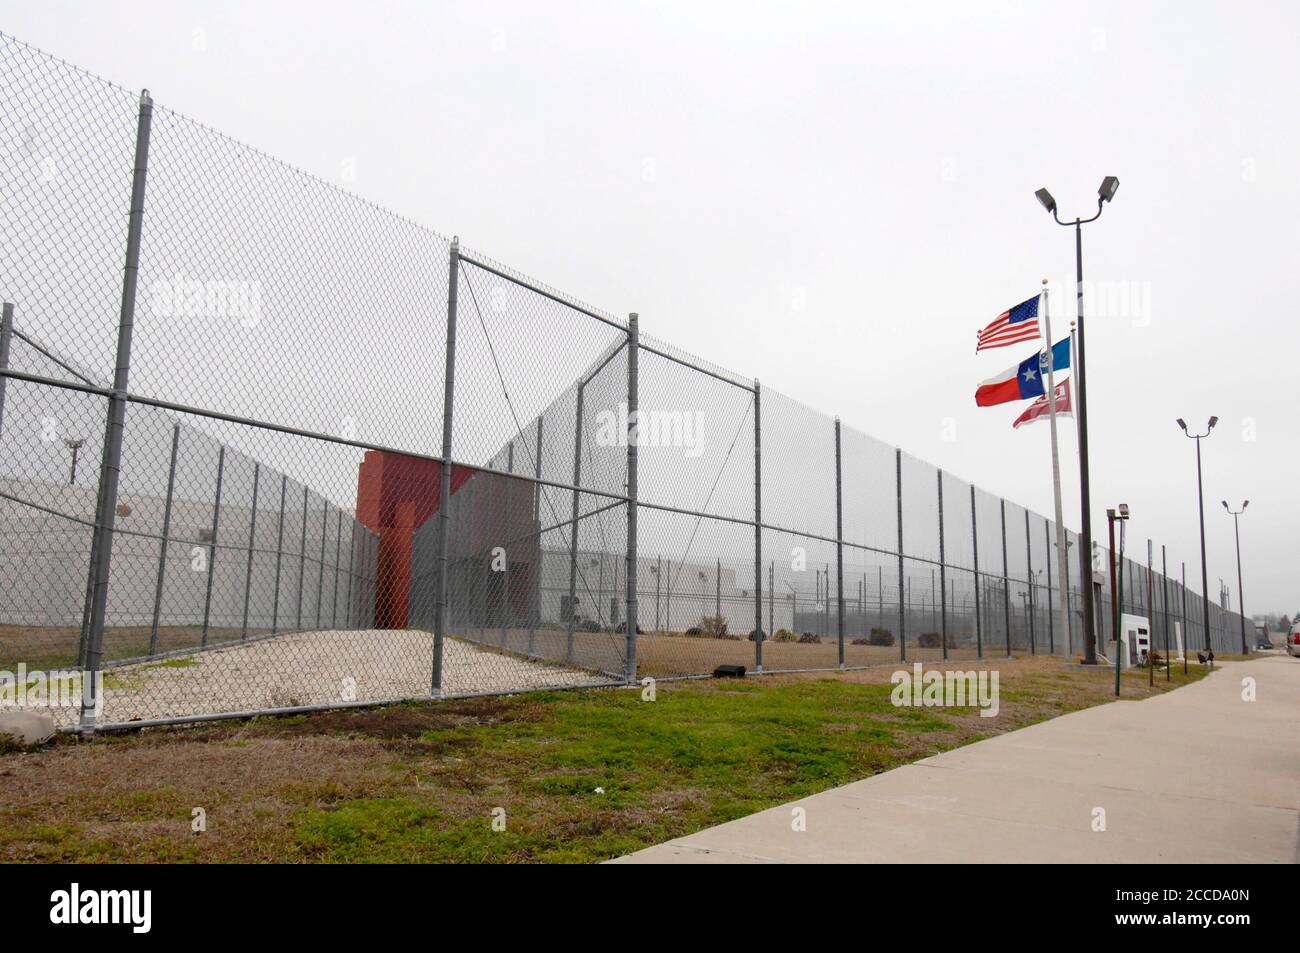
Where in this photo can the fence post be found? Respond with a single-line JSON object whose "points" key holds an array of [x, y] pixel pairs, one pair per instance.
{"points": [[535, 610], [943, 570], [902, 607], [839, 543], [320, 566], [758, 527], [508, 486], [1047, 580], [975, 561], [668, 596], [658, 572], [1029, 577], [717, 588], [101, 546], [212, 547], [1151, 608], [1186, 639], [573, 527], [1006, 581], [444, 488], [372, 576], [162, 547], [6, 337], [1164, 607], [480, 600], [348, 615], [943, 574], [338, 564], [633, 438], [252, 533], [279, 554], [302, 558], [862, 604]]}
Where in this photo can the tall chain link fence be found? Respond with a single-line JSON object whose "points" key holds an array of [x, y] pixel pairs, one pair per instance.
{"points": [[266, 446]]}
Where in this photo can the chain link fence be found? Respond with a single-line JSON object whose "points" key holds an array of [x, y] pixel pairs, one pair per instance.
{"points": [[265, 446]]}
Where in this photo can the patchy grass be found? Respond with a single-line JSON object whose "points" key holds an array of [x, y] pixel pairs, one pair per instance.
{"points": [[175, 663], [581, 776]]}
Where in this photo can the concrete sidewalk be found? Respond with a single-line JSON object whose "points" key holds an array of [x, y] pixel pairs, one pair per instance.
{"points": [[1194, 776]]}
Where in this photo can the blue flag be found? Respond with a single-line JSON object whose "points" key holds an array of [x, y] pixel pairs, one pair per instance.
{"points": [[1060, 356]]}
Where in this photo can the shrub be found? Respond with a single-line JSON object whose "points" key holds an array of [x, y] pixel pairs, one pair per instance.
{"points": [[860, 641], [929, 640], [880, 637], [714, 626], [756, 634], [694, 631], [784, 635], [588, 625], [809, 638]]}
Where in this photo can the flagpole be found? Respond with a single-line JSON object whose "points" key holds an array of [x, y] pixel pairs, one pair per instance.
{"points": [[1062, 556]]}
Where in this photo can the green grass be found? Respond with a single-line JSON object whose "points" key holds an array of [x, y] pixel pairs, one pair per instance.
{"points": [[175, 663], [581, 776], [730, 752]]}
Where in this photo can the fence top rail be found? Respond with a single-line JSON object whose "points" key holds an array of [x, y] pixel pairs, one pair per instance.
{"points": [[698, 367], [537, 287], [685, 358]]}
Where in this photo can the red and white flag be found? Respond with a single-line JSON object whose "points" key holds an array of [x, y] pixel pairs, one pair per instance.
{"points": [[1011, 326], [1039, 409]]}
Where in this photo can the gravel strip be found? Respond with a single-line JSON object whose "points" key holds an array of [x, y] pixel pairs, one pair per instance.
{"points": [[313, 668]]}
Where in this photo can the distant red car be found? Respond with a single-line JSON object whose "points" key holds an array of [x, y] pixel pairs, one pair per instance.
{"points": [[1293, 640]]}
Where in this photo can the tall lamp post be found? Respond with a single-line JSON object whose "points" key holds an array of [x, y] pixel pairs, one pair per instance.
{"points": [[1200, 498], [1241, 598], [74, 444], [1109, 186]]}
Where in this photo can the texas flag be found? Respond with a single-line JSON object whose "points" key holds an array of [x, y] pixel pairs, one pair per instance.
{"points": [[1025, 380]]}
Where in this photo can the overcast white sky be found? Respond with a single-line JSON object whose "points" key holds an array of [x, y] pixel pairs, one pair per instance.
{"points": [[833, 198]]}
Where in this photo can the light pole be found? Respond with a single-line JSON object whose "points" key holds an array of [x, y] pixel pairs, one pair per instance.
{"points": [[1109, 186], [1241, 599], [75, 445], [1200, 499]]}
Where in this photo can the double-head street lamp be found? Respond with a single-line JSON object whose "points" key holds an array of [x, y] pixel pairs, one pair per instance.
{"points": [[1241, 599], [74, 444], [1109, 186], [1200, 498]]}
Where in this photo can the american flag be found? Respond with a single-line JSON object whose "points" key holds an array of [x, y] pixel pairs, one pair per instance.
{"points": [[1011, 327]]}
